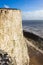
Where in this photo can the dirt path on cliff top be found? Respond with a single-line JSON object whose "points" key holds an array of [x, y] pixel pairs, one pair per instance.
{"points": [[35, 54]]}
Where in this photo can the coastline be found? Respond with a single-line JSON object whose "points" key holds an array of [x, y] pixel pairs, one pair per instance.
{"points": [[36, 58], [31, 35], [35, 39]]}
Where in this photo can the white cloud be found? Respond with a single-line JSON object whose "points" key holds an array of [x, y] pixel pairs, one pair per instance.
{"points": [[33, 15], [6, 6]]}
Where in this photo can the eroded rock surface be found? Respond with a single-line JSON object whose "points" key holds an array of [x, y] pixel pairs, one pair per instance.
{"points": [[5, 59], [11, 36]]}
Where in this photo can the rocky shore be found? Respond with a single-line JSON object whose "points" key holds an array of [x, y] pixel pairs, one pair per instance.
{"points": [[34, 42], [35, 39]]}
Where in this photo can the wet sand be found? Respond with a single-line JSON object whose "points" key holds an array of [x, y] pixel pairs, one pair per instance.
{"points": [[36, 58]]}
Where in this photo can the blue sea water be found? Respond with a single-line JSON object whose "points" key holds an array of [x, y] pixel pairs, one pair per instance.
{"points": [[34, 26]]}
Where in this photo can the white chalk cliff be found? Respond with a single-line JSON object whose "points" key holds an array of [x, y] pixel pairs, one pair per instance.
{"points": [[11, 36]]}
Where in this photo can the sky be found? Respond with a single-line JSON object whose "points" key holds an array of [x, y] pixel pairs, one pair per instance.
{"points": [[31, 9]]}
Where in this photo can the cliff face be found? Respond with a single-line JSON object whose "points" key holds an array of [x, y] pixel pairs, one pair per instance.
{"points": [[11, 36]]}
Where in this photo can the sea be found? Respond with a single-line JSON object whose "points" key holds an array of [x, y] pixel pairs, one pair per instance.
{"points": [[33, 26]]}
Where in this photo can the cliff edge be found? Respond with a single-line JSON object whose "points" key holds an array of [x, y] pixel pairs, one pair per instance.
{"points": [[12, 43]]}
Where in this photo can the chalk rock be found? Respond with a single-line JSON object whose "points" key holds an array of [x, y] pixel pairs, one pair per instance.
{"points": [[11, 36]]}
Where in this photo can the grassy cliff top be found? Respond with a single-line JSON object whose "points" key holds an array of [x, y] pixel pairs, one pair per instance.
{"points": [[10, 8]]}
